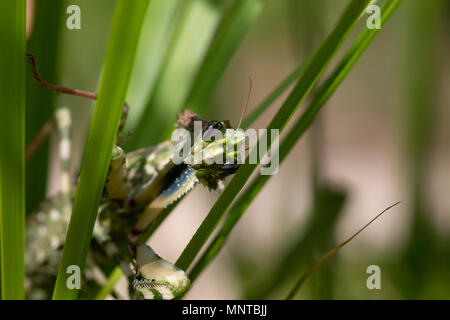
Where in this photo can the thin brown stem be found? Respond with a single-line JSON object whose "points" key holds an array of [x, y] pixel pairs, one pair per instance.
{"points": [[56, 88], [49, 125]]}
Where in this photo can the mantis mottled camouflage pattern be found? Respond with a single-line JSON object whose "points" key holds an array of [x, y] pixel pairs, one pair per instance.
{"points": [[138, 187]]}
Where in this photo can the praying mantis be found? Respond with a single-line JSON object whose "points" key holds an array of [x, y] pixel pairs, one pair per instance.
{"points": [[138, 187]]}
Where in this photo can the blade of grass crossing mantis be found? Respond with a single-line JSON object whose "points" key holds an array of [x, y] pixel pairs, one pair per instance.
{"points": [[120, 54], [12, 147], [312, 73], [320, 98]]}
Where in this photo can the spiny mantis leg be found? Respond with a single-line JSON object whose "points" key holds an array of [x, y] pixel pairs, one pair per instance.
{"points": [[49, 125]]}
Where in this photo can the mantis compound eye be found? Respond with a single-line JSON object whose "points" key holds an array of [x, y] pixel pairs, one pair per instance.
{"points": [[210, 130]]}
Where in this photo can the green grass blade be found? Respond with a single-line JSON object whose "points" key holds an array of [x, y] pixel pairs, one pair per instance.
{"points": [[154, 41], [320, 98], [118, 64], [115, 276], [227, 39], [312, 73], [192, 36], [12, 147]]}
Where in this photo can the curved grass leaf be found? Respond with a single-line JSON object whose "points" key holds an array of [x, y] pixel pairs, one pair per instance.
{"points": [[314, 69], [119, 59], [320, 98], [12, 147]]}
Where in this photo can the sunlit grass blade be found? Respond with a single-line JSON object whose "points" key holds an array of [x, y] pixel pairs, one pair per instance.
{"points": [[12, 147], [118, 64], [192, 36], [328, 255], [155, 37], [312, 73], [319, 99], [229, 35], [115, 276]]}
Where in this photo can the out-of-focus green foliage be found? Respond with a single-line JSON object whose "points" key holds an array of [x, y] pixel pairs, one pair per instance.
{"points": [[427, 253]]}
